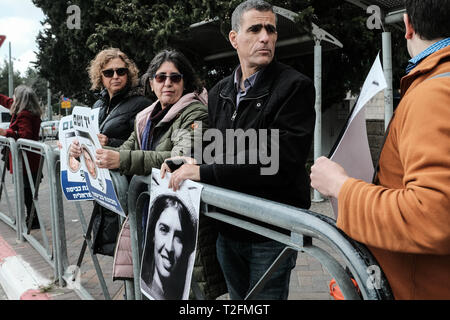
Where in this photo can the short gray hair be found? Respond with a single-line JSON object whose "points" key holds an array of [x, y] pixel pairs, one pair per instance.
{"points": [[25, 99], [259, 5]]}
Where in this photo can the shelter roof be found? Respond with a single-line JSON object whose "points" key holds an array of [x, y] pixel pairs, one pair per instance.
{"points": [[207, 39]]}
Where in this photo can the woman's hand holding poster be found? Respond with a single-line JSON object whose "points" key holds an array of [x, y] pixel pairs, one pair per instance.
{"points": [[98, 180]]}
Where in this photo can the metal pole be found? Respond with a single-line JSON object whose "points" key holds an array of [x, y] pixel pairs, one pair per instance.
{"points": [[318, 107], [49, 102], [387, 66], [10, 74]]}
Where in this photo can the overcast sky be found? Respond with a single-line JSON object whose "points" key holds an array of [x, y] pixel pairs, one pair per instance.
{"points": [[20, 21]]}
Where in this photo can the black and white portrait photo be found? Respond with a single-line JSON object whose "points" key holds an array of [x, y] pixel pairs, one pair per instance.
{"points": [[170, 240]]}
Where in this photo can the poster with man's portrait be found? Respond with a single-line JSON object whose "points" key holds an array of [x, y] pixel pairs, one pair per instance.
{"points": [[98, 180], [171, 228], [73, 182]]}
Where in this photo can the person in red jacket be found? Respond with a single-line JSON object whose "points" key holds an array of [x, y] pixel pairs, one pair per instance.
{"points": [[25, 123]]}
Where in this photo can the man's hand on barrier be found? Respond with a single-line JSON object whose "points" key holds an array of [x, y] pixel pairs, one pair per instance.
{"points": [[165, 167], [103, 139], [2, 132], [186, 171], [75, 149], [190, 170], [107, 159], [327, 177]]}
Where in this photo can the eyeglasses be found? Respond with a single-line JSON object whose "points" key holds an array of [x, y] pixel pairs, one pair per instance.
{"points": [[109, 73], [174, 77]]}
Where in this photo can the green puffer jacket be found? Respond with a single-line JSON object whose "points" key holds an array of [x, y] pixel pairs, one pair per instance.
{"points": [[174, 134]]}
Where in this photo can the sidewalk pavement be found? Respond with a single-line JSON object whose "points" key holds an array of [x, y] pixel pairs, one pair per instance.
{"points": [[2, 294], [25, 274]]}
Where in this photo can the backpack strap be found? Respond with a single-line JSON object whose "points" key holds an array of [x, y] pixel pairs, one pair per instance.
{"points": [[442, 75]]}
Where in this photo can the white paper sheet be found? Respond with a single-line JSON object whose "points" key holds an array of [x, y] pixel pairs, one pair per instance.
{"points": [[353, 152]]}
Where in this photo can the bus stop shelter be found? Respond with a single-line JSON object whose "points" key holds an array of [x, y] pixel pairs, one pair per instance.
{"points": [[206, 37]]}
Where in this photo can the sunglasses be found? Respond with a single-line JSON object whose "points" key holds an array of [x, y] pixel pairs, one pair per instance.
{"points": [[109, 73], [174, 77]]}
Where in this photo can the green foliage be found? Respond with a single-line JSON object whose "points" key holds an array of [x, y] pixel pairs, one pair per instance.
{"points": [[141, 28], [31, 79], [39, 84], [4, 78]]}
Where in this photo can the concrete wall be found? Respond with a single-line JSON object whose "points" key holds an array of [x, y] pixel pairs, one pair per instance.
{"points": [[375, 134], [375, 124]]}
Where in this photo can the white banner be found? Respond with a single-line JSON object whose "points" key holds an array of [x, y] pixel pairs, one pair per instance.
{"points": [[98, 180], [73, 182]]}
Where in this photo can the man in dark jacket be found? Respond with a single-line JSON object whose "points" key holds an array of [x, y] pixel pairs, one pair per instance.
{"points": [[261, 95]]}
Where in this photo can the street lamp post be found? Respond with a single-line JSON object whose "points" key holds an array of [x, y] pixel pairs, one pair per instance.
{"points": [[49, 102], [10, 74]]}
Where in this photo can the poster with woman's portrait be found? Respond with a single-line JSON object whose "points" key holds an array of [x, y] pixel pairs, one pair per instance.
{"points": [[171, 227], [98, 180], [73, 182]]}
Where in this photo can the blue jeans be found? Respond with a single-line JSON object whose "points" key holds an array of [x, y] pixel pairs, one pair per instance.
{"points": [[244, 263]]}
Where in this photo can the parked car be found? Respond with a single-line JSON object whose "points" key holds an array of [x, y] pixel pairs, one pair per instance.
{"points": [[49, 129], [5, 118]]}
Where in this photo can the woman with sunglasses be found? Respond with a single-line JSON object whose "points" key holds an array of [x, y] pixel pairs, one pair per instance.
{"points": [[166, 129], [120, 100]]}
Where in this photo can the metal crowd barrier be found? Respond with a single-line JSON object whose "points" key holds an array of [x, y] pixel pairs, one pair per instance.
{"points": [[53, 249], [302, 225], [70, 271], [49, 249], [9, 216]]}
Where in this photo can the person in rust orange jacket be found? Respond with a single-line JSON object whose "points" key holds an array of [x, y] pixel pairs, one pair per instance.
{"points": [[404, 216]]}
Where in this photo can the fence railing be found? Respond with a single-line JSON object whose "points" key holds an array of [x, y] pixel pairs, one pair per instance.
{"points": [[47, 247], [8, 212], [303, 228], [70, 271], [302, 225], [50, 241]]}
